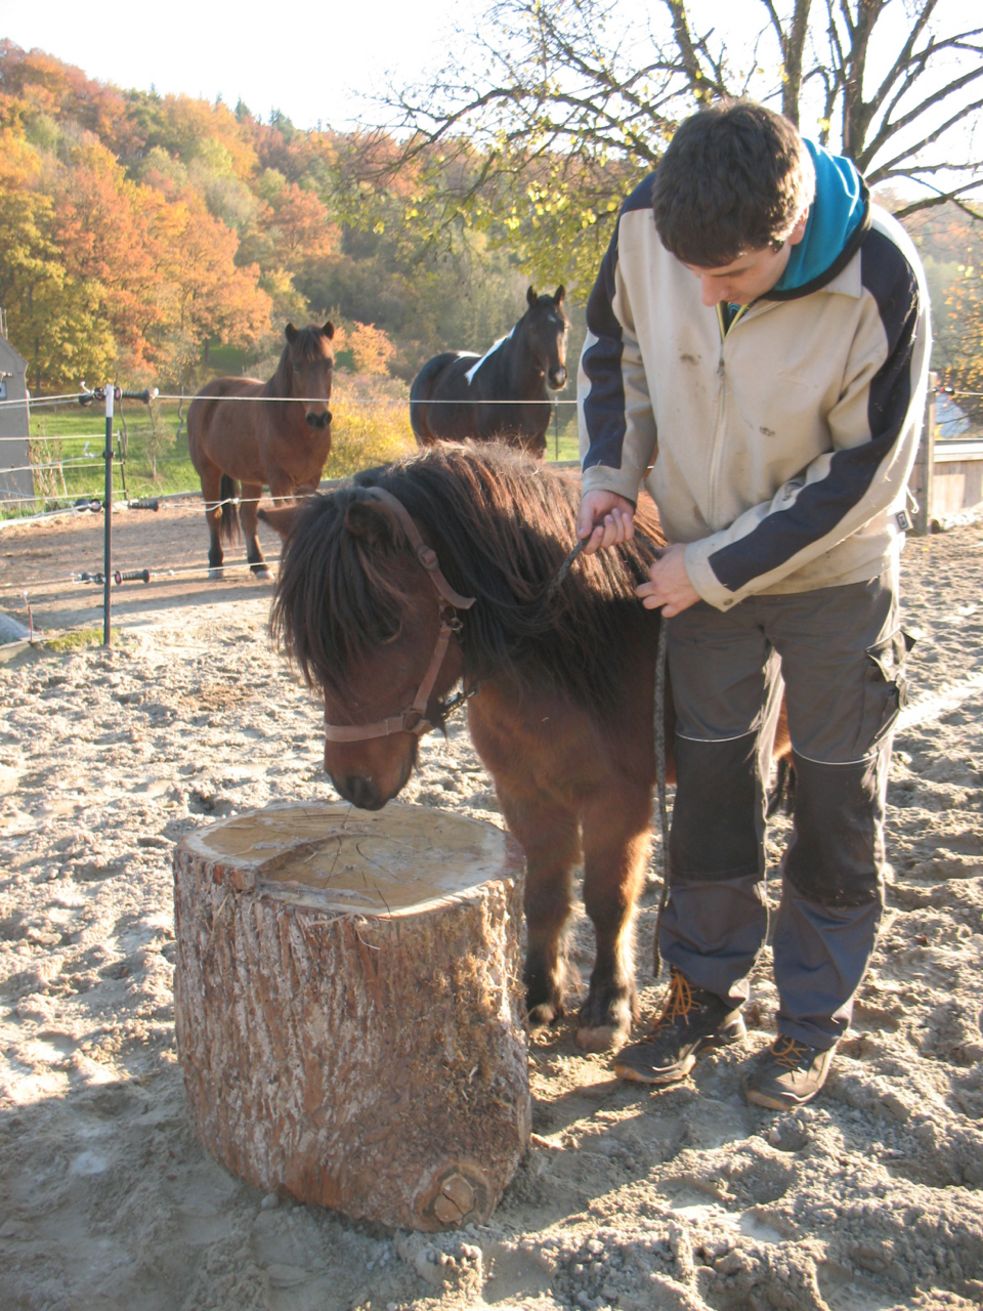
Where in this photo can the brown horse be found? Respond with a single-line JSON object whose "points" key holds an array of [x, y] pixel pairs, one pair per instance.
{"points": [[502, 395], [244, 435], [440, 569]]}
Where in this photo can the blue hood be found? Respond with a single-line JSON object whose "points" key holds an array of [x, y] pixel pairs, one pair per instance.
{"points": [[838, 210]]}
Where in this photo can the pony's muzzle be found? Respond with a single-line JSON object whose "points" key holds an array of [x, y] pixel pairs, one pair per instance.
{"points": [[319, 420], [360, 791], [558, 377]]}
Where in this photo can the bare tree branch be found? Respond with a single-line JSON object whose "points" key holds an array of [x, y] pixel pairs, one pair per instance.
{"points": [[573, 96]]}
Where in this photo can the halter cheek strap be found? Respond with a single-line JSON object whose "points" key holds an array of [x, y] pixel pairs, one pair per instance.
{"points": [[413, 719]]}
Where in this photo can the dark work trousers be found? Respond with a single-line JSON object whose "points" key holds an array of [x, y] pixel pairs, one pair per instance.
{"points": [[839, 653]]}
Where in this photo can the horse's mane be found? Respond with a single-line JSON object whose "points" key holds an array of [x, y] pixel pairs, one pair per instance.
{"points": [[502, 525]]}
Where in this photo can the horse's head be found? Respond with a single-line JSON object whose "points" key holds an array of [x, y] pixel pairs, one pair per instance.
{"points": [[363, 608], [546, 326], [309, 361]]}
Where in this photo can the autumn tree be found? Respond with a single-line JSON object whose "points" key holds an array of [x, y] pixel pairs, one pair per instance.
{"points": [[52, 316], [951, 245], [204, 294], [560, 99]]}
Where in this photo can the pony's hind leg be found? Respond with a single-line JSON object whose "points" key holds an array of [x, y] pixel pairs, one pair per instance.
{"points": [[248, 517], [616, 845], [549, 838]]}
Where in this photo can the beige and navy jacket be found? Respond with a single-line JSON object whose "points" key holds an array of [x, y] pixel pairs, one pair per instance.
{"points": [[779, 449]]}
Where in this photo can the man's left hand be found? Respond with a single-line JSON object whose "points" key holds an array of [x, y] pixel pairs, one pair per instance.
{"points": [[669, 587]]}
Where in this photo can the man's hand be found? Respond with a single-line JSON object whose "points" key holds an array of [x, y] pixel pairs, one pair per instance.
{"points": [[605, 519], [669, 586]]}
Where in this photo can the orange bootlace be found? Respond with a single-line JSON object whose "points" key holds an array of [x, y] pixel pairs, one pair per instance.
{"points": [[679, 1001], [791, 1054]]}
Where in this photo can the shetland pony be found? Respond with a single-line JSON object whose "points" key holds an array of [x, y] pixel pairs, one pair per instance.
{"points": [[445, 568]]}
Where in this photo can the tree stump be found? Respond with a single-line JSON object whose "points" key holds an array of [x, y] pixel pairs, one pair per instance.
{"points": [[348, 1007]]}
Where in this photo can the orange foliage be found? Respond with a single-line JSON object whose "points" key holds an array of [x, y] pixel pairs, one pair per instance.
{"points": [[302, 226], [371, 349]]}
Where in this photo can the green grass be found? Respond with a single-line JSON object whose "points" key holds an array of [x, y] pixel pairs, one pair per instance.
{"points": [[151, 446], [81, 639], [149, 456]]}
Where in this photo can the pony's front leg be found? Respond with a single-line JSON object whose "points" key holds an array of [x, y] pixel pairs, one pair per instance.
{"points": [[248, 516], [211, 494], [548, 836], [616, 845]]}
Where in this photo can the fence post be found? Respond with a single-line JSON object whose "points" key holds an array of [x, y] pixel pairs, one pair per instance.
{"points": [[925, 463], [107, 551]]}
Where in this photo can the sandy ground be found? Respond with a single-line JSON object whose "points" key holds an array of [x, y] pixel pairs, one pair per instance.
{"points": [[868, 1200]]}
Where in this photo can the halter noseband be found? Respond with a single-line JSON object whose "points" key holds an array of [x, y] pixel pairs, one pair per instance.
{"points": [[413, 719]]}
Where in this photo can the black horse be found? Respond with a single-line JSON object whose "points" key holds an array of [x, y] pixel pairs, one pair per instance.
{"points": [[502, 395]]}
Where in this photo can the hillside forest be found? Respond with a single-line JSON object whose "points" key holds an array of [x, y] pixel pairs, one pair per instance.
{"points": [[157, 240]]}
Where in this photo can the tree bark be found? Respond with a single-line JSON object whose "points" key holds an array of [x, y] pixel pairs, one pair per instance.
{"points": [[348, 1007]]}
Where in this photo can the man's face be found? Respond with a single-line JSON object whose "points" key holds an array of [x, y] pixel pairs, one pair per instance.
{"points": [[750, 275]]}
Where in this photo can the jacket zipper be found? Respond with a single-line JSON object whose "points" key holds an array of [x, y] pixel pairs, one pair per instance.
{"points": [[716, 450]]}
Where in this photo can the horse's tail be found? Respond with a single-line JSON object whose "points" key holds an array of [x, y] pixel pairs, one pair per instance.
{"points": [[421, 391], [228, 490]]}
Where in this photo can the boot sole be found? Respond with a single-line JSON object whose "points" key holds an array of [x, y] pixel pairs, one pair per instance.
{"points": [[676, 1073], [776, 1102]]}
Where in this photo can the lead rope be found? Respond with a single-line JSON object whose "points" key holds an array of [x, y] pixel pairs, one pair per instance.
{"points": [[660, 780]]}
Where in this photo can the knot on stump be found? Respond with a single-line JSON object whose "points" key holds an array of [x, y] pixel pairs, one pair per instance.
{"points": [[458, 1194]]}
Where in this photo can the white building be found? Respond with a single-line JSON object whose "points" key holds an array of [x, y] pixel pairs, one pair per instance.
{"points": [[16, 478]]}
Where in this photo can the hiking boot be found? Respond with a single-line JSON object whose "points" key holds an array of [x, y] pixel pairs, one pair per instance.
{"points": [[787, 1075], [692, 1021]]}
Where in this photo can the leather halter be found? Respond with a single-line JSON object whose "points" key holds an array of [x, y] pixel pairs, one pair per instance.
{"points": [[413, 719]]}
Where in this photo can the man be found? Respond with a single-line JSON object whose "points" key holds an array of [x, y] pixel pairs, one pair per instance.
{"points": [[757, 355]]}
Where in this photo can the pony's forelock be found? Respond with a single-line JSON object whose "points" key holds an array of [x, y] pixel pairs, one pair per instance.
{"points": [[501, 525], [335, 598], [310, 346]]}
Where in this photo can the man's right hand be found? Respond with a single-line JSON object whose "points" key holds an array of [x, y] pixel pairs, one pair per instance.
{"points": [[605, 519]]}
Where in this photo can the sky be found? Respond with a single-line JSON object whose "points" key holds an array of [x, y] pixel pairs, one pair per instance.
{"points": [[313, 60], [320, 62]]}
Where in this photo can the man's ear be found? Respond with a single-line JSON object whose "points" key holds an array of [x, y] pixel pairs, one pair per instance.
{"points": [[281, 518], [799, 231]]}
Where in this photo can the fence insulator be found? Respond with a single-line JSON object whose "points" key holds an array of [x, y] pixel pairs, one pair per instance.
{"points": [[119, 576], [87, 395]]}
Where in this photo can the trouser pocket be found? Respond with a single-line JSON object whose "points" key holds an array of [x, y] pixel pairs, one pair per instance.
{"points": [[885, 688]]}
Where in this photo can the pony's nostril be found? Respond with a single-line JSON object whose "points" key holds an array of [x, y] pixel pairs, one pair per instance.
{"points": [[361, 792], [319, 420]]}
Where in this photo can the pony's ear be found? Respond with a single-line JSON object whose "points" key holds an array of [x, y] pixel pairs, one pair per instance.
{"points": [[281, 518], [368, 522], [290, 332], [328, 330], [559, 294], [531, 296]]}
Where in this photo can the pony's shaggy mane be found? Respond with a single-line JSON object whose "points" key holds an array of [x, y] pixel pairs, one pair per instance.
{"points": [[501, 525]]}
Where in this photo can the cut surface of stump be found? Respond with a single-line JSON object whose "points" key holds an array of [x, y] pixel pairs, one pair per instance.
{"points": [[348, 1007]]}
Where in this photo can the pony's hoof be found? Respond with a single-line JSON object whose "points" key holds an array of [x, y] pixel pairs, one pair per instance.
{"points": [[601, 1038], [544, 1014], [262, 572], [605, 1024], [216, 573]]}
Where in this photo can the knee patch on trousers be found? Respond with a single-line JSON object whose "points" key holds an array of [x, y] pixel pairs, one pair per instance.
{"points": [[716, 819], [836, 853]]}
